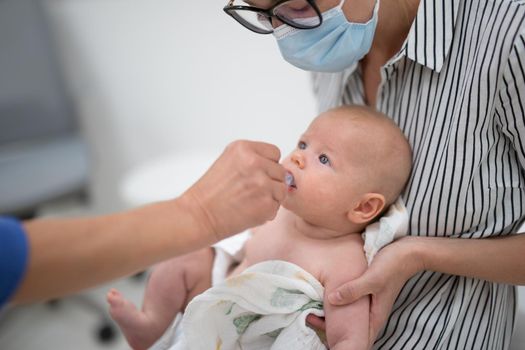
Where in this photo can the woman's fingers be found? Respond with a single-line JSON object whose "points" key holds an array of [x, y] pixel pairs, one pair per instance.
{"points": [[279, 192], [351, 291], [242, 189], [266, 150], [275, 171]]}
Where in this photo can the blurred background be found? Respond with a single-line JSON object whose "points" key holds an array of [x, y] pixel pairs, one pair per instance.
{"points": [[109, 104], [150, 78]]}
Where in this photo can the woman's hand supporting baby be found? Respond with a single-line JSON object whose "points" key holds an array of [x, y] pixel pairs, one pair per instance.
{"points": [[494, 259], [391, 268]]}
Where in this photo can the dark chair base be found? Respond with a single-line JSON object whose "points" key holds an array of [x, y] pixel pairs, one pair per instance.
{"points": [[105, 331]]}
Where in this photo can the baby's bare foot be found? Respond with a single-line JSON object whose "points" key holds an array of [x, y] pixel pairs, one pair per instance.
{"points": [[134, 324]]}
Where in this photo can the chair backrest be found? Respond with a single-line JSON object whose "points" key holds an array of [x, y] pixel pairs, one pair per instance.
{"points": [[42, 156], [33, 101]]}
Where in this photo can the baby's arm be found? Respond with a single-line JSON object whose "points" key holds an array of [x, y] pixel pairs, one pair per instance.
{"points": [[347, 326]]}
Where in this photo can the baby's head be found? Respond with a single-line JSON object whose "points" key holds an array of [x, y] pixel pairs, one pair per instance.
{"points": [[350, 164]]}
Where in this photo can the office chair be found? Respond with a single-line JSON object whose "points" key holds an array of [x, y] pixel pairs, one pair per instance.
{"points": [[42, 155]]}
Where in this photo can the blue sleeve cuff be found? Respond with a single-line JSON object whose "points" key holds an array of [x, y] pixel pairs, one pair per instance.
{"points": [[14, 251]]}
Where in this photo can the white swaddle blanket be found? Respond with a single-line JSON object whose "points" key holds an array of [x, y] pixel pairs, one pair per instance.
{"points": [[265, 307]]}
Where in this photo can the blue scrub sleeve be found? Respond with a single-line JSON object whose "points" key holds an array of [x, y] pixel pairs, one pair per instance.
{"points": [[14, 252]]}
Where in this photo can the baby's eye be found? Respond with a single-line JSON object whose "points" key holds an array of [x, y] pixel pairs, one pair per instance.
{"points": [[301, 145], [323, 158]]}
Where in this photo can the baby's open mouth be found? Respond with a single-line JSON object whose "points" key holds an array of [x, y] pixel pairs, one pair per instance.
{"points": [[290, 181]]}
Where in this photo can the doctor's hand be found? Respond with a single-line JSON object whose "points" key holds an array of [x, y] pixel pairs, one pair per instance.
{"points": [[242, 189], [391, 268]]}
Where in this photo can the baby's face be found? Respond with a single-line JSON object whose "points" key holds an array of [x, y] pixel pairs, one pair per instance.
{"points": [[329, 171]]}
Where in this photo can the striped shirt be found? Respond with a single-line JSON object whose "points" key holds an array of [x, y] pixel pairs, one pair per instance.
{"points": [[457, 90]]}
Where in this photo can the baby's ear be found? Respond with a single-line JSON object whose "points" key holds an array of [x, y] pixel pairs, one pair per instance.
{"points": [[370, 205]]}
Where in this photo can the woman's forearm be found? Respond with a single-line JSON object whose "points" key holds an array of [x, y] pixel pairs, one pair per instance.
{"points": [[243, 188], [494, 259], [67, 255]]}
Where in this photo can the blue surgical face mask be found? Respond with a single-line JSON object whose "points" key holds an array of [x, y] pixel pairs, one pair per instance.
{"points": [[332, 47]]}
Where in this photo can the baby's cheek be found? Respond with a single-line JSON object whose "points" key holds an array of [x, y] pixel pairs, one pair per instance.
{"points": [[326, 192], [330, 200]]}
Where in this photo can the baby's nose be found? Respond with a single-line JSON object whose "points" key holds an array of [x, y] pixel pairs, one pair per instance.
{"points": [[298, 160]]}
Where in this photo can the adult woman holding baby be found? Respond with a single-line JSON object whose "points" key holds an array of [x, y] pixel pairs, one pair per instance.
{"points": [[451, 74]]}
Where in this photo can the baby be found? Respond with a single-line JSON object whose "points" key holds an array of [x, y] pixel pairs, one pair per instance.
{"points": [[349, 166]]}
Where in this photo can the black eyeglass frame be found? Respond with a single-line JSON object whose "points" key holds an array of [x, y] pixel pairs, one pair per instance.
{"points": [[268, 13]]}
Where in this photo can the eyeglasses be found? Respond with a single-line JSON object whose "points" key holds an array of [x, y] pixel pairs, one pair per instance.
{"points": [[301, 14]]}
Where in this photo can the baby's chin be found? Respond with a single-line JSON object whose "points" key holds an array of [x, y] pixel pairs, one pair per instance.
{"points": [[299, 206], [289, 203]]}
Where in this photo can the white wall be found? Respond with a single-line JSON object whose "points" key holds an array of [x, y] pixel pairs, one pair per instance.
{"points": [[158, 76]]}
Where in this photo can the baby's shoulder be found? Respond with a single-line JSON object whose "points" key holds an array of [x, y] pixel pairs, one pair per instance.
{"points": [[343, 261]]}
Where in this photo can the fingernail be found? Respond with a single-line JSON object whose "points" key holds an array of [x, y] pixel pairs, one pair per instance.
{"points": [[335, 298]]}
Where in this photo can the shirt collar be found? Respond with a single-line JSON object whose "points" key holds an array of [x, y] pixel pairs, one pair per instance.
{"points": [[430, 37]]}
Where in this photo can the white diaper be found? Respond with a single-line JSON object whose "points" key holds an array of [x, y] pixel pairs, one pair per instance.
{"points": [[392, 225], [229, 251]]}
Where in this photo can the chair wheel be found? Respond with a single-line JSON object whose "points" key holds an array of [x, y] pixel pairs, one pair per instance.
{"points": [[106, 333], [139, 276], [53, 303]]}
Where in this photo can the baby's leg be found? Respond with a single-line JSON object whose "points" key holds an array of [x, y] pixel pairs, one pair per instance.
{"points": [[170, 287]]}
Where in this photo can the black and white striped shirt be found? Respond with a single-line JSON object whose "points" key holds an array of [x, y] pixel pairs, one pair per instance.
{"points": [[457, 90]]}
